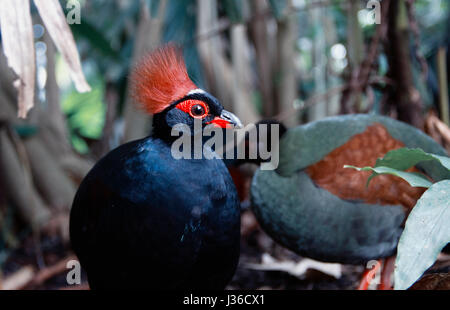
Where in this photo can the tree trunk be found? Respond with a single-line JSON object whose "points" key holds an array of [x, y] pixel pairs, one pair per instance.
{"points": [[319, 110], [355, 50], [217, 68], [242, 93], [264, 55], [52, 118], [137, 123], [405, 98], [287, 74]]}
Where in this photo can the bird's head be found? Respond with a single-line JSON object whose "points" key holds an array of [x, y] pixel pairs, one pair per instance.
{"points": [[162, 87]]}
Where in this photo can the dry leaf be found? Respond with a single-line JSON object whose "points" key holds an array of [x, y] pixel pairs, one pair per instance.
{"points": [[18, 46], [55, 23]]}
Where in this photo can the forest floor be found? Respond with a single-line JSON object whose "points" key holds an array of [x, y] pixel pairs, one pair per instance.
{"points": [[263, 265]]}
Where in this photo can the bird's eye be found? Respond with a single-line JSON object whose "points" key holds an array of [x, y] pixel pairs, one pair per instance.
{"points": [[197, 110]]}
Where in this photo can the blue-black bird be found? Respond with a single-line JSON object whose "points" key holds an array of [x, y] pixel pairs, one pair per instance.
{"points": [[142, 219]]}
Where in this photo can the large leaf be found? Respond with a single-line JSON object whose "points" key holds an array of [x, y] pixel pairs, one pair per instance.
{"points": [[405, 158], [18, 46], [55, 22], [427, 231], [413, 178]]}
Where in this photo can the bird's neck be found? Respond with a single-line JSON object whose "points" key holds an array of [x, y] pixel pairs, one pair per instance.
{"points": [[161, 130]]}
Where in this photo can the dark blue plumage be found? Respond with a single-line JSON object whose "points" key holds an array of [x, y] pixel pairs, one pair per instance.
{"points": [[143, 219]]}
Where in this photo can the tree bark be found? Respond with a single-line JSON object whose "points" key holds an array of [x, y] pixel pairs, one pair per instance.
{"points": [[217, 68], [319, 110], [355, 50], [52, 118], [286, 81], [405, 98], [265, 55], [242, 94], [137, 123]]}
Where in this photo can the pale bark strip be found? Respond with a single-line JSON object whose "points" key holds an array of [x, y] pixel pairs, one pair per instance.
{"points": [[55, 23], [264, 54], [148, 37], [18, 46], [319, 111], [242, 94], [331, 38], [287, 82], [217, 67], [51, 117], [443, 85], [19, 279], [355, 44]]}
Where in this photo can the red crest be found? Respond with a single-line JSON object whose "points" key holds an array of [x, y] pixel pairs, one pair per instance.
{"points": [[160, 78]]}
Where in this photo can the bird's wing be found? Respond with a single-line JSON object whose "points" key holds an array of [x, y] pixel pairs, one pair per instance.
{"points": [[305, 145], [313, 222]]}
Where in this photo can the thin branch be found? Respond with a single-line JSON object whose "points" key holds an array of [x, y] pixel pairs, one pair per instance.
{"points": [[362, 73]]}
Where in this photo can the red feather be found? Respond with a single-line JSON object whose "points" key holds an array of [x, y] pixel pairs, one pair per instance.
{"points": [[160, 79]]}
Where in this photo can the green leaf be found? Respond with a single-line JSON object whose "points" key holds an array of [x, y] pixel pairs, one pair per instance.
{"points": [[413, 178], [427, 232], [405, 158]]}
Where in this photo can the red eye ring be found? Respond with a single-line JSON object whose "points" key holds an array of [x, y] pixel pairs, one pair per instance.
{"points": [[191, 107]]}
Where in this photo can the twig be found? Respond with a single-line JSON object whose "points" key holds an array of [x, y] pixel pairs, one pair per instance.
{"points": [[443, 85], [360, 76], [415, 30], [437, 130], [49, 272], [442, 128], [19, 279]]}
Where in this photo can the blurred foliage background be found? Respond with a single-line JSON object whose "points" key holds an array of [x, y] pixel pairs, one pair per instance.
{"points": [[292, 60]]}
